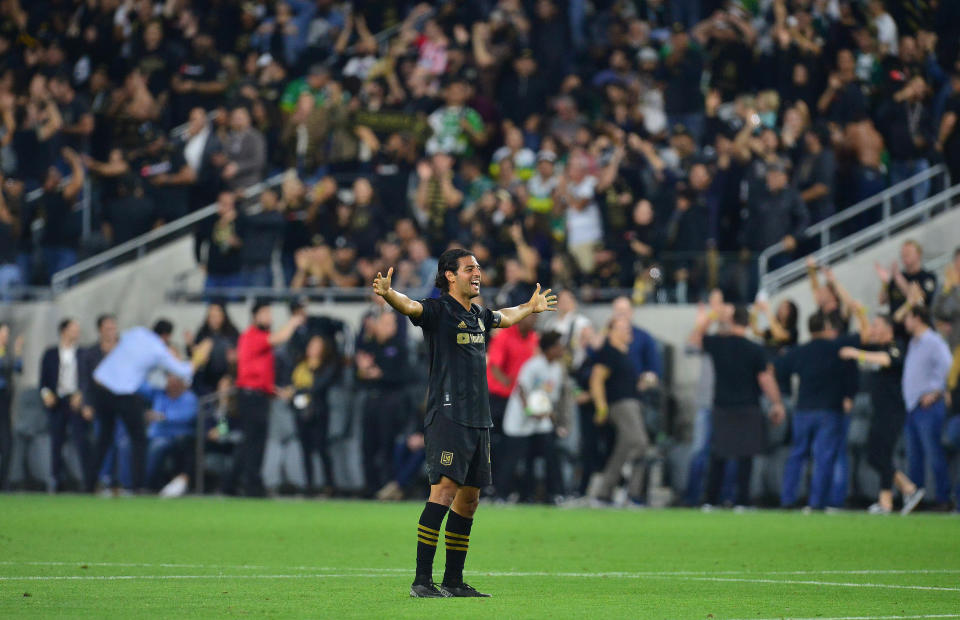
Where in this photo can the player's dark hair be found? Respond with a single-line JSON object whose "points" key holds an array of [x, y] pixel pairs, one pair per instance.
{"points": [[817, 323], [103, 318], [741, 316], [163, 327], [449, 261], [64, 324], [549, 339]]}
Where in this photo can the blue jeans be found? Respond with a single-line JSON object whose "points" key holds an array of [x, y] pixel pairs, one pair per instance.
{"points": [[10, 278], [816, 432], [260, 276], [841, 469], [58, 259], [902, 169], [406, 463], [923, 434], [217, 281]]}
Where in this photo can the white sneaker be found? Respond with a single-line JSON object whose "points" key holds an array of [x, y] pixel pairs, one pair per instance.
{"points": [[878, 509], [911, 501], [175, 488]]}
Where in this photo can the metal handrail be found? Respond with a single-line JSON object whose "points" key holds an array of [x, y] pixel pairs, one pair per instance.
{"points": [[824, 227], [61, 280], [773, 281]]}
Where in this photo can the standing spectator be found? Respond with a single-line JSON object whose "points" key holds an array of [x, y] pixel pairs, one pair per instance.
{"points": [[11, 362], [907, 127], [884, 356], [776, 214], [196, 170], [613, 388], [437, 200], [198, 83], [827, 387], [246, 151], [644, 353], [898, 281], [948, 134], [946, 305], [457, 128], [90, 357], [381, 371], [509, 350], [311, 380], [523, 91], [925, 372], [532, 421], [122, 373], [262, 234], [61, 395], [132, 213], [221, 363], [816, 174], [62, 226], [680, 74], [256, 387], [224, 245], [584, 228], [741, 374]]}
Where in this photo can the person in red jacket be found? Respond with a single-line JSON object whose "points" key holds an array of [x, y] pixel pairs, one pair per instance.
{"points": [[508, 352], [256, 386]]}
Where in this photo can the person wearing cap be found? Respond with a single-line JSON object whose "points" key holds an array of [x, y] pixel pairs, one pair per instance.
{"points": [[119, 376], [775, 214], [543, 184], [256, 387]]}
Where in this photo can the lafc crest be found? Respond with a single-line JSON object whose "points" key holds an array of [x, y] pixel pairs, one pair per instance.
{"points": [[446, 459]]}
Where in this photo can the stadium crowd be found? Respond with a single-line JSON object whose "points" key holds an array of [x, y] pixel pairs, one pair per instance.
{"points": [[650, 145]]}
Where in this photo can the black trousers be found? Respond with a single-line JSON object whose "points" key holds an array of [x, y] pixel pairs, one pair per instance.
{"points": [[384, 412], [130, 408], [885, 430], [62, 420], [6, 435], [715, 480], [313, 431], [253, 409], [527, 449], [595, 445]]}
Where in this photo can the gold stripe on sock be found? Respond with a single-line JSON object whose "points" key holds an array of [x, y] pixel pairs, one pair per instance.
{"points": [[460, 536], [425, 541], [427, 529], [428, 536], [456, 546]]}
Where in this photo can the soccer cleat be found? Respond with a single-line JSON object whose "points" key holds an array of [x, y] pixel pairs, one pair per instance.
{"points": [[911, 501], [427, 589], [461, 590]]}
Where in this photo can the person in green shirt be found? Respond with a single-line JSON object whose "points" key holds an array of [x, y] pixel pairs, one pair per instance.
{"points": [[457, 128], [314, 82]]}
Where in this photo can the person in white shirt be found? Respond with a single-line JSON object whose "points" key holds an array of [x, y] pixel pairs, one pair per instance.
{"points": [[61, 396], [532, 423]]}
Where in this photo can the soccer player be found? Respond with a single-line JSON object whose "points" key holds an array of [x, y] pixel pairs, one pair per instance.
{"points": [[457, 424]]}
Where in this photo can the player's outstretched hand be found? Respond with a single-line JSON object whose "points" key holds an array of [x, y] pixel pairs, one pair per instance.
{"points": [[544, 301], [382, 284]]}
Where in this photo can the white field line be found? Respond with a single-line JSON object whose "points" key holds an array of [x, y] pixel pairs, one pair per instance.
{"points": [[381, 574], [634, 574]]}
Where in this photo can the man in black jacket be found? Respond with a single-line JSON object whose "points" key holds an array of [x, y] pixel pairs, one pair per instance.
{"points": [[61, 395]]}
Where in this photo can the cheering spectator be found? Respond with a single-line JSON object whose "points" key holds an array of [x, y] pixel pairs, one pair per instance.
{"points": [[246, 151], [221, 363], [224, 245], [508, 352], [262, 234], [10, 275], [62, 225], [311, 381]]}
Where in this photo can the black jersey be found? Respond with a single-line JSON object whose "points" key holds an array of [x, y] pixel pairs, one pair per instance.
{"points": [[885, 383], [457, 346]]}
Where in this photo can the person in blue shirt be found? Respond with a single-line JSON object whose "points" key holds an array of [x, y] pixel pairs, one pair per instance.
{"points": [[644, 353], [172, 416], [121, 373], [827, 387]]}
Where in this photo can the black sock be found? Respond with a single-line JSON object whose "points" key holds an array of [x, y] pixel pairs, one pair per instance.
{"points": [[428, 533], [458, 540]]}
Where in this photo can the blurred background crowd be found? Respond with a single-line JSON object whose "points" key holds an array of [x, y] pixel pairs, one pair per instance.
{"points": [[652, 145]]}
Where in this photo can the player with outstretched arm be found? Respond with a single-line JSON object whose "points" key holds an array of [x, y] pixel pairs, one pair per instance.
{"points": [[457, 424]]}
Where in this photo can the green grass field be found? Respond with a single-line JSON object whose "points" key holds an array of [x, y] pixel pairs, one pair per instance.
{"points": [[206, 557]]}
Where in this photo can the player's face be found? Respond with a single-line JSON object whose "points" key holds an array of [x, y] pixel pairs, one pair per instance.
{"points": [[468, 276]]}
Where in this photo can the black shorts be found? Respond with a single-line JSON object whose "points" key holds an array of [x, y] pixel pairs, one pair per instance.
{"points": [[461, 453]]}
